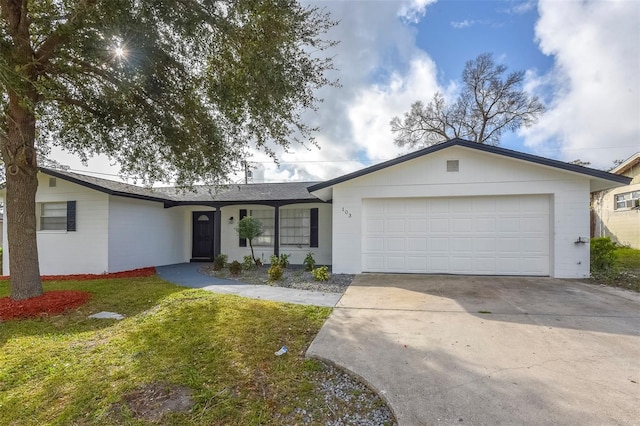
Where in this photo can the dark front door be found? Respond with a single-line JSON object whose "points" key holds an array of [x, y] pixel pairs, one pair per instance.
{"points": [[202, 236]]}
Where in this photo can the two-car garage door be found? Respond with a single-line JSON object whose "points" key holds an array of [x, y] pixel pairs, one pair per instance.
{"points": [[502, 235]]}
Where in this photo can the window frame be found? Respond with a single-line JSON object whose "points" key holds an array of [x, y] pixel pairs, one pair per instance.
{"points": [[626, 200], [299, 227], [267, 219], [44, 222]]}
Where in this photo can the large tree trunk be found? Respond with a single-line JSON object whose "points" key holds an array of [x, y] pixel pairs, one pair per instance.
{"points": [[17, 143], [20, 203]]}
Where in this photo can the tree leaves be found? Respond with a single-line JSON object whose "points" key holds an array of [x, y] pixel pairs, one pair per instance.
{"points": [[199, 82]]}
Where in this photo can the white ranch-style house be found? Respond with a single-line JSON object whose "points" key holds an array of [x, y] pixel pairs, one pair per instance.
{"points": [[453, 208]]}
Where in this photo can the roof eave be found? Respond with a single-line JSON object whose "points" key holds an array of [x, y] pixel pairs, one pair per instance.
{"points": [[592, 173], [102, 189]]}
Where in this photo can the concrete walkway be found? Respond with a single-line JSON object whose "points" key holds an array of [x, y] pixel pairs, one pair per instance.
{"points": [[186, 274]]}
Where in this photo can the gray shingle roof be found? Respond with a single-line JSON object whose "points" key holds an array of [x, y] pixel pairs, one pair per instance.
{"points": [[244, 193], [222, 194]]}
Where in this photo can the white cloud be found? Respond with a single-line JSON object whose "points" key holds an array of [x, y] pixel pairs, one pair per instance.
{"points": [[414, 10], [376, 105], [594, 110], [381, 72], [520, 7], [462, 24]]}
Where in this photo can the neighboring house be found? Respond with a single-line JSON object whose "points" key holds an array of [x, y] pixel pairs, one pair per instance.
{"points": [[616, 212], [458, 207]]}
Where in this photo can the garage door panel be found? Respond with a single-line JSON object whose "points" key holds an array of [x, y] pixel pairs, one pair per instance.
{"points": [[461, 265], [417, 225], [533, 265], [395, 263], [417, 264], [484, 245], [461, 244], [508, 224], [508, 245], [392, 208], [438, 263], [461, 225], [534, 245], [438, 244], [374, 263], [472, 235], [417, 245], [484, 224], [484, 265], [439, 225], [395, 226], [373, 244], [534, 224], [395, 245], [374, 226], [508, 266]]}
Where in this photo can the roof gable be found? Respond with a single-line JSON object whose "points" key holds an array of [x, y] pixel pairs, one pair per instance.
{"points": [[507, 153], [630, 166]]}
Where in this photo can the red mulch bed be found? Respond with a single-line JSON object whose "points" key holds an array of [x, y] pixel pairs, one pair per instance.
{"points": [[134, 273], [57, 301], [50, 303]]}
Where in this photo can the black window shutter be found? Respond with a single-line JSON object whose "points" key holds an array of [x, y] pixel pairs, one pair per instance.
{"points": [[71, 215], [243, 241], [313, 231]]}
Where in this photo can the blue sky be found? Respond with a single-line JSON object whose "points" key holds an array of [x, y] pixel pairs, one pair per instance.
{"points": [[581, 57]]}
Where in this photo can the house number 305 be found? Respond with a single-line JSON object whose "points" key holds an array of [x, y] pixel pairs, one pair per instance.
{"points": [[346, 212]]}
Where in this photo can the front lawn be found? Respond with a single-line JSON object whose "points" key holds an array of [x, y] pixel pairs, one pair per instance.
{"points": [[628, 258], [179, 357], [621, 269]]}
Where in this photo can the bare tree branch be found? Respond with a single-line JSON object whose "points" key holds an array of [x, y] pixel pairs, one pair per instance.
{"points": [[488, 105]]}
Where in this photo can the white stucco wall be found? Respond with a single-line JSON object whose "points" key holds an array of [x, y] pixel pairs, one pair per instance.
{"points": [[144, 233], [480, 174], [80, 251], [230, 242]]}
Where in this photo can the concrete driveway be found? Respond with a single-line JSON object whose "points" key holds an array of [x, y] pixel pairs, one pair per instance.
{"points": [[490, 350]]}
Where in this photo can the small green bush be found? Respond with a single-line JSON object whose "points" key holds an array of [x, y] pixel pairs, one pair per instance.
{"points": [[321, 273], [235, 268], [309, 262], [219, 261], [247, 263], [603, 255], [275, 272], [274, 260], [284, 260]]}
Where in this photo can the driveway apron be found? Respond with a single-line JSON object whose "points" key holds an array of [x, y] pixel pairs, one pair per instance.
{"points": [[490, 350]]}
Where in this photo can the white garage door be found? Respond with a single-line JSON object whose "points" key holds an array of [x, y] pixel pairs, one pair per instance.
{"points": [[468, 235]]}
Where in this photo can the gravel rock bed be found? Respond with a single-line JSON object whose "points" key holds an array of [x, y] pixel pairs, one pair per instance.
{"points": [[345, 401], [293, 277]]}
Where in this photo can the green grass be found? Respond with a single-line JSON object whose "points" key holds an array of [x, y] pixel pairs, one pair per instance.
{"points": [[628, 258], [625, 272], [69, 369]]}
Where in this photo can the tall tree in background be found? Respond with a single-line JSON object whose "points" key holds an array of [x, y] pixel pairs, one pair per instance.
{"points": [[170, 89], [489, 103]]}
